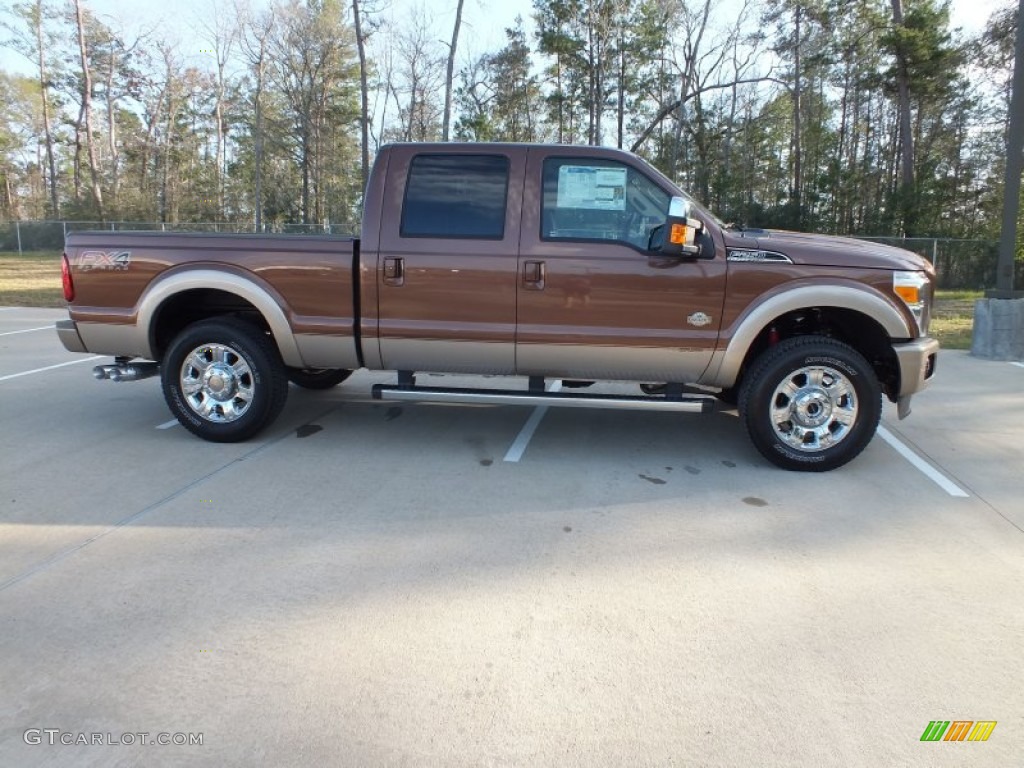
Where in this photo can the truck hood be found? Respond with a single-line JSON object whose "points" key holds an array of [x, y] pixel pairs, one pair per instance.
{"points": [[828, 251]]}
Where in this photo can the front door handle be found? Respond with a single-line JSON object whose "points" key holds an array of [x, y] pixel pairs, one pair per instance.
{"points": [[394, 271], [534, 273]]}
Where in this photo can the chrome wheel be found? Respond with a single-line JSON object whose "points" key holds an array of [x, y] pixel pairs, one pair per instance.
{"points": [[813, 408], [217, 383]]}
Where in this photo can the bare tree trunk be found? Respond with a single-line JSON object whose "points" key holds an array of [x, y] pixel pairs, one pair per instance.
{"points": [[599, 87], [364, 94], [621, 106], [253, 38], [115, 158], [11, 200], [1014, 166], [223, 40], [165, 208], [149, 143], [561, 99], [44, 88], [306, 161], [906, 133], [218, 115], [450, 74], [796, 192], [591, 82], [76, 162], [97, 192], [687, 85], [168, 186]]}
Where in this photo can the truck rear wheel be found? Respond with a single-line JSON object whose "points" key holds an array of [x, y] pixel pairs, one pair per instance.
{"points": [[810, 404], [223, 379], [317, 378]]}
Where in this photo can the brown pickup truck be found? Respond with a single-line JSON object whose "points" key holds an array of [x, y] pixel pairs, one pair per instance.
{"points": [[544, 262]]}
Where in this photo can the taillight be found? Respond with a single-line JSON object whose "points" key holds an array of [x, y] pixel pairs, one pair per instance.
{"points": [[65, 278]]}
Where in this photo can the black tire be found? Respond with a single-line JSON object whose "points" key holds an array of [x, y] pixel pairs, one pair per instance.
{"points": [[317, 378], [811, 426], [236, 377], [729, 396]]}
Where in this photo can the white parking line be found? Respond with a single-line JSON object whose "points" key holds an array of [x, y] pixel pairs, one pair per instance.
{"points": [[518, 447], [926, 469], [168, 424], [49, 368], [1019, 365], [28, 330]]}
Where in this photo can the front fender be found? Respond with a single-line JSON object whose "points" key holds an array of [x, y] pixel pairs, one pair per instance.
{"points": [[726, 362]]}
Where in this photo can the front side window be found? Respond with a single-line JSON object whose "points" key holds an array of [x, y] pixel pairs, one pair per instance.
{"points": [[456, 196], [592, 199]]}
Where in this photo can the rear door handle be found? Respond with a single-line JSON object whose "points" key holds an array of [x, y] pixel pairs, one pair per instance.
{"points": [[534, 273], [394, 271]]}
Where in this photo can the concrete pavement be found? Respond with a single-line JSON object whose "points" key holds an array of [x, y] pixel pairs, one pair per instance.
{"points": [[368, 584]]}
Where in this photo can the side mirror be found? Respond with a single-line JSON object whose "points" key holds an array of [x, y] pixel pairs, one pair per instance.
{"points": [[680, 232]]}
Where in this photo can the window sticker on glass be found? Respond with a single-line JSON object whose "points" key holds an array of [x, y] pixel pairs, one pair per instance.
{"points": [[592, 188]]}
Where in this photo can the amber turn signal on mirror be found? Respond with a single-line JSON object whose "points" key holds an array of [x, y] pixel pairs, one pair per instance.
{"points": [[678, 235]]}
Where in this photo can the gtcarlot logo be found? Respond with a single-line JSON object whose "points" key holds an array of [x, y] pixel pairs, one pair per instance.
{"points": [[958, 730], [55, 736]]}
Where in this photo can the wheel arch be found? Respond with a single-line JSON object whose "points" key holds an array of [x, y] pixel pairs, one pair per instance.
{"points": [[184, 297], [858, 316]]}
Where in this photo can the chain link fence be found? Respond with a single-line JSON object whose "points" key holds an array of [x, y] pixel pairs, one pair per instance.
{"points": [[961, 264], [28, 236]]}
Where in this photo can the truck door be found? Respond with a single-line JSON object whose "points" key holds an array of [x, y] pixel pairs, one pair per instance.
{"points": [[446, 265], [594, 302]]}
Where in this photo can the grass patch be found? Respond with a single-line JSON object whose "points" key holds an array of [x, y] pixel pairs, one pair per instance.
{"points": [[959, 296], [953, 318], [31, 280]]}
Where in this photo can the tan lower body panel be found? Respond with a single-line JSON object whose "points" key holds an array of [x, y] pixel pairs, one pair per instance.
{"points": [[712, 376], [111, 339], [68, 335], [481, 357], [655, 364], [917, 364], [324, 351]]}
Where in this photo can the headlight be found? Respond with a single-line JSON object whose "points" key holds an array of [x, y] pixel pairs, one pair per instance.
{"points": [[915, 290]]}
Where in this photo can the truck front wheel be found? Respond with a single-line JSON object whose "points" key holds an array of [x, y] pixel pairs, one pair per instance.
{"points": [[223, 379], [810, 403]]}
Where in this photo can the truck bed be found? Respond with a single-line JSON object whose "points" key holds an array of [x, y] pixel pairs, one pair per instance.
{"points": [[310, 276]]}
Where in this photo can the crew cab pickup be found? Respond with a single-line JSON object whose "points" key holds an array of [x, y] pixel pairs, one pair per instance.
{"points": [[549, 263]]}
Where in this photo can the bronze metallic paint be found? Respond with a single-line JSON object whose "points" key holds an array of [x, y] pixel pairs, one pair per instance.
{"points": [[602, 297], [453, 289], [516, 305]]}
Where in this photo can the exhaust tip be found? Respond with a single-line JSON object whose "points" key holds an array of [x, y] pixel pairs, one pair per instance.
{"points": [[99, 372]]}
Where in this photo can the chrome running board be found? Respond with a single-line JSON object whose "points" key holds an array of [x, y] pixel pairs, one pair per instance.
{"points": [[559, 399]]}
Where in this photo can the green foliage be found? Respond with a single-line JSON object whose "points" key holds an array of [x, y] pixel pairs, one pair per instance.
{"points": [[499, 95], [711, 100]]}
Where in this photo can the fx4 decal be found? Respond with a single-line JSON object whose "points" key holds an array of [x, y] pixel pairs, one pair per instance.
{"points": [[109, 260]]}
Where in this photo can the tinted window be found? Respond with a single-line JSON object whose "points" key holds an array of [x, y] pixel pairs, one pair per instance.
{"points": [[456, 196], [592, 199]]}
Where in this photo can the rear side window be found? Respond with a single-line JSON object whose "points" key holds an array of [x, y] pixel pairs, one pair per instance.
{"points": [[456, 196]]}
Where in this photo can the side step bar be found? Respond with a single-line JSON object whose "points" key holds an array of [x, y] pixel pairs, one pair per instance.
{"points": [[520, 397]]}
